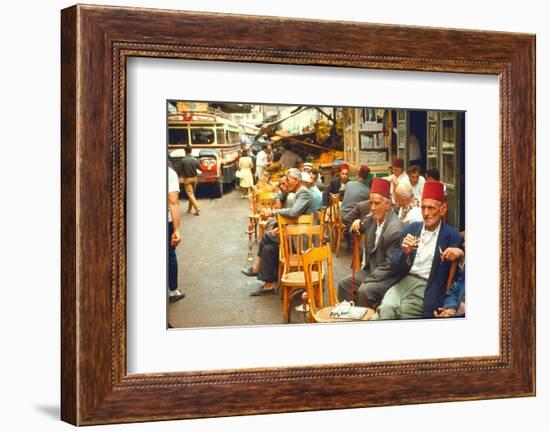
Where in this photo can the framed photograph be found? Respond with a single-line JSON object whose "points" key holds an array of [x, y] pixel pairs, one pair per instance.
{"points": [[145, 88], [231, 160]]}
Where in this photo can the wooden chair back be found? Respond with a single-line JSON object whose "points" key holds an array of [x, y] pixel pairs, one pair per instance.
{"points": [[266, 201], [257, 197], [321, 216], [283, 221], [253, 200], [263, 186], [334, 208], [315, 259], [276, 177], [297, 238]]}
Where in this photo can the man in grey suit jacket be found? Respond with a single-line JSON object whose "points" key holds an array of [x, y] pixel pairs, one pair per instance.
{"points": [[304, 202], [383, 227], [266, 269]]}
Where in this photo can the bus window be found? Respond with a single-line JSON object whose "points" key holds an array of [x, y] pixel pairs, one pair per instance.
{"points": [[220, 136], [233, 137], [178, 136], [202, 136]]}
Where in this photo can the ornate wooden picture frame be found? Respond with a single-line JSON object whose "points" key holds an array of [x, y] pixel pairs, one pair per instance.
{"points": [[96, 42]]}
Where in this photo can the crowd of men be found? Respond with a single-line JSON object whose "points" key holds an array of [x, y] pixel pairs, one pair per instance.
{"points": [[408, 249]]}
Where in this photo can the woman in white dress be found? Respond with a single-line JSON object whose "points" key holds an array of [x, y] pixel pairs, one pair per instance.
{"points": [[246, 178]]}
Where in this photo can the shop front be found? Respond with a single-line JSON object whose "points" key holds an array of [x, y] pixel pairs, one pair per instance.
{"points": [[429, 139]]}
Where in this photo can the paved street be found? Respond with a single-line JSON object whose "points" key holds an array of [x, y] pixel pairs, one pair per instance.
{"points": [[212, 253]]}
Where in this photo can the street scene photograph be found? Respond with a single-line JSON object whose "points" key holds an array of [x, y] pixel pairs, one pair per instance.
{"points": [[289, 214]]}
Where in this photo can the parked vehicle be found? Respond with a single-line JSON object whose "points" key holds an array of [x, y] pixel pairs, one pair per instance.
{"points": [[215, 141]]}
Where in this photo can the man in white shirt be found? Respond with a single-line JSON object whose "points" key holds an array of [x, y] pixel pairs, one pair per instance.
{"points": [[174, 237], [409, 205], [415, 180], [397, 176], [262, 160], [423, 262]]}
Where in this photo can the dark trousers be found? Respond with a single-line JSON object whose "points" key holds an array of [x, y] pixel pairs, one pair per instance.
{"points": [[364, 294], [268, 251], [172, 261]]}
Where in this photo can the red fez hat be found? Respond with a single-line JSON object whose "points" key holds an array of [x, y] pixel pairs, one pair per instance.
{"points": [[398, 162], [434, 190], [344, 166], [364, 171], [380, 186]]}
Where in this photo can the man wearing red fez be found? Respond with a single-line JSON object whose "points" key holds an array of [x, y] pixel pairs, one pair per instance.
{"points": [[423, 262], [337, 185], [383, 234]]}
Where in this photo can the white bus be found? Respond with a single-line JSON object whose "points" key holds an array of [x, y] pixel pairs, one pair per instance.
{"points": [[215, 141]]}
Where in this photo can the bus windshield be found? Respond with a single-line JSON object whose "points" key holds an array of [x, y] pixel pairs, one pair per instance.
{"points": [[178, 136], [202, 136]]}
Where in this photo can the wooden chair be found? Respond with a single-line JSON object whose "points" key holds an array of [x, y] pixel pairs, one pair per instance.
{"points": [[297, 238], [322, 217], [282, 222], [336, 227], [265, 203], [254, 217], [276, 177], [314, 260], [255, 197], [329, 218]]}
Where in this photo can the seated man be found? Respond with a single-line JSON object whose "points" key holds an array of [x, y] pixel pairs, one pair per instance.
{"points": [[337, 185], [356, 191], [422, 261], [415, 180], [409, 206], [454, 304], [308, 167], [383, 227], [397, 176], [309, 182], [281, 193], [317, 195], [266, 269]]}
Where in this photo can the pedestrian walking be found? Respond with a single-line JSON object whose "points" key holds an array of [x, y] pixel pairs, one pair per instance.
{"points": [[190, 170], [246, 180]]}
